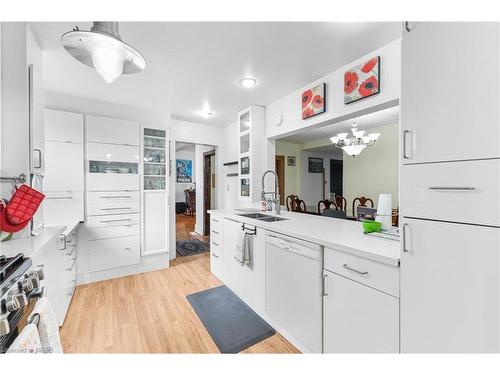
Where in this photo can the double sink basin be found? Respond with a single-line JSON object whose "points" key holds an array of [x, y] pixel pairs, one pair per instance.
{"points": [[262, 217]]}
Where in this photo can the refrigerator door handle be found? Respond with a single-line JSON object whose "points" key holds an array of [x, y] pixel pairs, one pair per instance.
{"points": [[405, 249]]}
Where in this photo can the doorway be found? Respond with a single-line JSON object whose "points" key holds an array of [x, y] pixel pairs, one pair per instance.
{"points": [[280, 171], [336, 177], [195, 193]]}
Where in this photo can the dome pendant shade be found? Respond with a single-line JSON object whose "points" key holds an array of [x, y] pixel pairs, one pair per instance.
{"points": [[102, 48]]}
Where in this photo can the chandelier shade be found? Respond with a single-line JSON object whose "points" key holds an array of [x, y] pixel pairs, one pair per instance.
{"points": [[353, 144]]}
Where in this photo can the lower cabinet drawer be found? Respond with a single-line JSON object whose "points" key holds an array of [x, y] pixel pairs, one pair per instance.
{"points": [[215, 246], [113, 208], [107, 221], [113, 181], [216, 224], [119, 196], [114, 252], [376, 275], [113, 232]]}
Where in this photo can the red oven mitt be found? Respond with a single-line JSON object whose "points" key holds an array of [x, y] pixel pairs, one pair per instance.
{"points": [[20, 209]]}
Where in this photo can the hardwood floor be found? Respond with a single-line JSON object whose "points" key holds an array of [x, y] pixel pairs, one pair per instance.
{"points": [[148, 313], [184, 227]]}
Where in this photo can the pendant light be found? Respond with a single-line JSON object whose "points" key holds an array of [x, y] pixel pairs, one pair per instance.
{"points": [[102, 48]]}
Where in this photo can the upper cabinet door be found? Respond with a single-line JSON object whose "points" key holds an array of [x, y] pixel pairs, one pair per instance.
{"points": [[450, 92], [112, 130], [63, 126]]}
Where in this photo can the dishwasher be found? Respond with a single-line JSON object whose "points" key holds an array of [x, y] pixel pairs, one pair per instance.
{"points": [[294, 288]]}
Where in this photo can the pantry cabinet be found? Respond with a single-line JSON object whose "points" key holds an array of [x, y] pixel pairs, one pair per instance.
{"points": [[449, 287], [449, 91]]}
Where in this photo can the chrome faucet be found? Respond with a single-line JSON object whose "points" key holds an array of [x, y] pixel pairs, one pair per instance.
{"points": [[276, 193]]}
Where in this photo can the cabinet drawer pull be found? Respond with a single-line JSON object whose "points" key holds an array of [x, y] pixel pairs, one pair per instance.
{"points": [[116, 196], [61, 197], [215, 220], [405, 154], [214, 231], [115, 208], [114, 220], [215, 256], [64, 239], [128, 248], [364, 273], [70, 254], [453, 188], [215, 243]]}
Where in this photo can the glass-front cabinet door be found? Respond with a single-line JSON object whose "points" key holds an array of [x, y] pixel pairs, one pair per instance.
{"points": [[154, 159], [245, 130]]}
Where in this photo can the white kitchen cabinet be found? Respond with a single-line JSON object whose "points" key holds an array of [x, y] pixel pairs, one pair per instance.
{"points": [[105, 182], [64, 166], [112, 153], [63, 126], [251, 134], [449, 287], [247, 281], [217, 247], [445, 105], [113, 252], [357, 318], [465, 192], [155, 222], [112, 130], [63, 207], [36, 122]]}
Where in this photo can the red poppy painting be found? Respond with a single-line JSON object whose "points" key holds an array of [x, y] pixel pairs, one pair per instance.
{"points": [[362, 81], [313, 101]]}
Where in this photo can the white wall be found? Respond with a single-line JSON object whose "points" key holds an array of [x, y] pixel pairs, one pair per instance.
{"points": [[180, 196], [375, 170], [229, 153], [290, 106], [71, 103], [200, 185]]}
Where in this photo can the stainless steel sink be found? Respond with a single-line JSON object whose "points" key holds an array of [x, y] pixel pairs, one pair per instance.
{"points": [[262, 217]]}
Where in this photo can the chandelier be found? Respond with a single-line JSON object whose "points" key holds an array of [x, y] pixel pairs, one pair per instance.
{"points": [[356, 142]]}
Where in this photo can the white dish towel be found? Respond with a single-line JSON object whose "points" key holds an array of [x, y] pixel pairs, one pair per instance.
{"points": [[48, 326], [242, 251], [28, 341]]}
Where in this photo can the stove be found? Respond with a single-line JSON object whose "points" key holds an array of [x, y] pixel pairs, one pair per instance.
{"points": [[20, 286]]}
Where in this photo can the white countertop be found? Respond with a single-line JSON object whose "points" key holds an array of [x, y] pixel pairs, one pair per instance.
{"points": [[30, 245], [343, 235]]}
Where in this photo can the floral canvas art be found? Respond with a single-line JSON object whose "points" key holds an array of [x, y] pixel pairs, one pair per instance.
{"points": [[314, 101], [362, 81]]}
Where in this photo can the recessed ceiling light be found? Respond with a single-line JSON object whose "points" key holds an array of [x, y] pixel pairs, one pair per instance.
{"points": [[248, 82]]}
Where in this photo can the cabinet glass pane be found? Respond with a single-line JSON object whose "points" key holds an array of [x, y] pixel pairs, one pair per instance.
{"points": [[154, 169], [245, 165], [244, 121], [154, 155], [245, 143], [154, 133], [245, 187], [154, 142], [96, 166], [154, 183]]}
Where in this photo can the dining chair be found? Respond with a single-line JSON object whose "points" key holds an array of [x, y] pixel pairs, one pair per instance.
{"points": [[340, 202], [337, 214], [395, 217], [325, 205], [362, 202], [289, 201], [298, 205]]}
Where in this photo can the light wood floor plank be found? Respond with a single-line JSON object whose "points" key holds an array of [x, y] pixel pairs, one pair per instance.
{"points": [[148, 313]]}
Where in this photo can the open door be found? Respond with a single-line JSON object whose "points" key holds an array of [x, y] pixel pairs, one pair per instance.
{"points": [[280, 171]]}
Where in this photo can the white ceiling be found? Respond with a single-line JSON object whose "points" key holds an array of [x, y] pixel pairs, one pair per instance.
{"points": [[371, 120], [189, 64]]}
